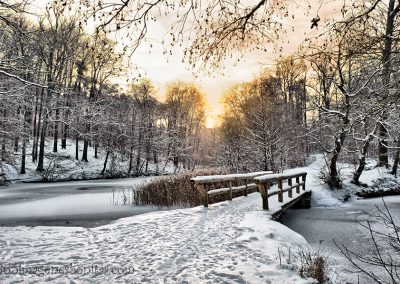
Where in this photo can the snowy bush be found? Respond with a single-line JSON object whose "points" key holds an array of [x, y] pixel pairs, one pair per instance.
{"points": [[313, 264], [381, 187], [54, 169], [172, 191]]}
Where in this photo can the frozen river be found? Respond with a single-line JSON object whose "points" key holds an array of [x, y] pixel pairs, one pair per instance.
{"points": [[75, 203], [320, 226]]}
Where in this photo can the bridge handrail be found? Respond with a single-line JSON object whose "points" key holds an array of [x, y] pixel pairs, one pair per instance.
{"points": [[201, 182], [230, 177], [264, 183]]}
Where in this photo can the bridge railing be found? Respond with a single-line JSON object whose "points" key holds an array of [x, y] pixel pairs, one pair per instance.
{"points": [[285, 184], [216, 185]]}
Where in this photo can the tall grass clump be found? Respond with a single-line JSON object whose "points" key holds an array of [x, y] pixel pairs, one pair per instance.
{"points": [[313, 264], [172, 191]]}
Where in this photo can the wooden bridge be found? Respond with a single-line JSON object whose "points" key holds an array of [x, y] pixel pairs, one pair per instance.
{"points": [[267, 183]]}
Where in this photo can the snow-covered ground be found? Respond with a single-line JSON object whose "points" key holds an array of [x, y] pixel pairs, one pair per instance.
{"points": [[230, 242], [376, 178], [67, 167]]}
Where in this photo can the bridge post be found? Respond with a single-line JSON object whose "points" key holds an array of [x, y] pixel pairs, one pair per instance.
{"points": [[203, 192], [303, 178], [297, 184], [290, 192], [280, 194], [230, 191], [245, 189], [263, 188]]}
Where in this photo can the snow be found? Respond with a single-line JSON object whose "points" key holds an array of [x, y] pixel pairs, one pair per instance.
{"points": [[321, 196], [217, 178], [233, 241], [67, 166], [230, 242], [284, 175]]}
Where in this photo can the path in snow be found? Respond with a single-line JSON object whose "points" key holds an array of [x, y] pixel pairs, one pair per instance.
{"points": [[230, 242]]}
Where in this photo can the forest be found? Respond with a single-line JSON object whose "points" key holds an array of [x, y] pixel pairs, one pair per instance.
{"points": [[61, 82]]}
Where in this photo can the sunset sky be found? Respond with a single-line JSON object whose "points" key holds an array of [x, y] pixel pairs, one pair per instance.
{"points": [[162, 69]]}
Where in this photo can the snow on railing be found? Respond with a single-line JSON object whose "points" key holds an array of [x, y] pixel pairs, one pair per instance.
{"points": [[216, 185], [264, 184]]}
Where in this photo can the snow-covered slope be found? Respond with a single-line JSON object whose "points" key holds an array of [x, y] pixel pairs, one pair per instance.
{"points": [[67, 167]]}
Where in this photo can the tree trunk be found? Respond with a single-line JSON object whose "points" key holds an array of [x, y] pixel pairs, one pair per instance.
{"points": [[16, 145], [24, 140], [130, 161], [396, 159], [55, 137], [176, 163], [3, 150], [138, 159], [386, 62], [361, 160], [85, 150], [77, 146], [96, 146], [35, 126], [105, 162], [23, 157], [65, 135], [155, 159], [40, 166], [334, 179], [38, 128], [139, 153], [85, 145]]}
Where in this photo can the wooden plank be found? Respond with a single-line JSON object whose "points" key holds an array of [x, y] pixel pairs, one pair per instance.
{"points": [[251, 175], [230, 195], [280, 193], [201, 188], [226, 178], [263, 188], [292, 202], [277, 192], [226, 190], [290, 192], [297, 184], [218, 191], [276, 177]]}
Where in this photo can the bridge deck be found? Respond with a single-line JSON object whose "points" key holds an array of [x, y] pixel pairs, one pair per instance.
{"points": [[301, 199]]}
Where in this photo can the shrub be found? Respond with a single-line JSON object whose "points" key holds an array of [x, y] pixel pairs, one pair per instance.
{"points": [[313, 265], [172, 191]]}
